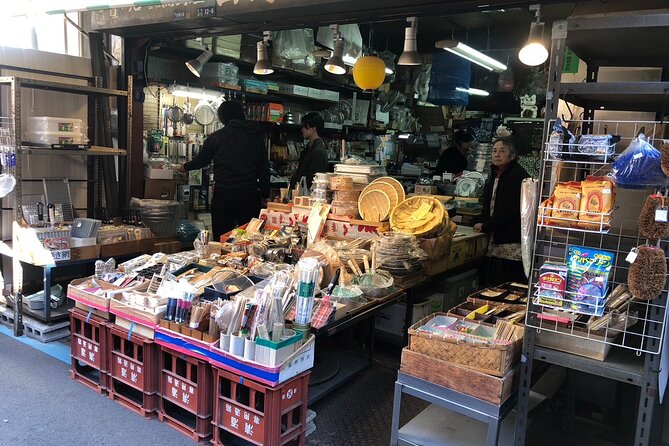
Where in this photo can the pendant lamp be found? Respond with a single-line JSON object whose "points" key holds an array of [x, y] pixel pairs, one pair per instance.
{"points": [[369, 72]]}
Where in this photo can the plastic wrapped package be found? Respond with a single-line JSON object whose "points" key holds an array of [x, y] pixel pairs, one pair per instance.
{"points": [[43, 124], [528, 214], [560, 141], [601, 145], [294, 49], [639, 166], [57, 138], [399, 254]]}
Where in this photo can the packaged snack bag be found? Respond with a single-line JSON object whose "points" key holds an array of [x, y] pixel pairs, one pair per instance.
{"points": [[597, 199], [566, 205], [552, 284]]}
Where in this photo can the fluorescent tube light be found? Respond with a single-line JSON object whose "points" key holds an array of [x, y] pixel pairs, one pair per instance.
{"points": [[473, 91], [471, 54]]}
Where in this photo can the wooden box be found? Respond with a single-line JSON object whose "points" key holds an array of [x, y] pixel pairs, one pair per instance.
{"points": [[485, 387]]}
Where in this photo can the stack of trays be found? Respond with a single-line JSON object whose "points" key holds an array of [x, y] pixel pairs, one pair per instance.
{"points": [[479, 158]]}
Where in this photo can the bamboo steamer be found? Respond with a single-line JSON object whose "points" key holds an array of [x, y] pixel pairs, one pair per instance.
{"points": [[421, 216], [401, 195], [374, 205], [388, 189], [341, 183]]}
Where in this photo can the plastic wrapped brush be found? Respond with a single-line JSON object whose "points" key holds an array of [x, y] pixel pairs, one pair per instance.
{"points": [[648, 274], [648, 226]]}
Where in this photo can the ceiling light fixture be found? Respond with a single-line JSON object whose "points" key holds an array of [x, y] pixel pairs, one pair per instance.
{"points": [[195, 65], [410, 56], [473, 91], [534, 52], [197, 93], [335, 64], [471, 54], [263, 66]]}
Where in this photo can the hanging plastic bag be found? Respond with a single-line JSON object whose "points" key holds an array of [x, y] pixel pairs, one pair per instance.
{"points": [[528, 214], [638, 167], [293, 49]]}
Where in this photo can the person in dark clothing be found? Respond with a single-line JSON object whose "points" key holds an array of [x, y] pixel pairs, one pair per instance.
{"points": [[454, 158], [314, 157], [241, 170], [501, 215]]}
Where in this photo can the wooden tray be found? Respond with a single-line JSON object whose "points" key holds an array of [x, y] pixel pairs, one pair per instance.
{"points": [[401, 195], [374, 205]]}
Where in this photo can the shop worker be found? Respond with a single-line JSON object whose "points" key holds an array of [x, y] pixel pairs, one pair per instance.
{"points": [[454, 158], [314, 157], [501, 216], [241, 170]]}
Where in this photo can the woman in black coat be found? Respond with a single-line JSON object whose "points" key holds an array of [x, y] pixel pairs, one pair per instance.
{"points": [[501, 215]]}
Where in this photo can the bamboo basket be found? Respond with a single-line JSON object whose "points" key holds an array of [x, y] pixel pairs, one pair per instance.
{"points": [[387, 189], [374, 205], [408, 216], [492, 359]]}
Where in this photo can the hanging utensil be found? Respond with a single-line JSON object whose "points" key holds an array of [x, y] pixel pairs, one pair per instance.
{"points": [[204, 113], [175, 113], [188, 117]]}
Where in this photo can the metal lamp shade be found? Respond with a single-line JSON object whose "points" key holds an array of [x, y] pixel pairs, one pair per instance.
{"points": [[195, 66], [335, 64], [534, 52], [262, 66], [410, 54]]}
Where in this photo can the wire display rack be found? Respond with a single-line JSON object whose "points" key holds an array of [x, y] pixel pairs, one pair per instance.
{"points": [[639, 328]]}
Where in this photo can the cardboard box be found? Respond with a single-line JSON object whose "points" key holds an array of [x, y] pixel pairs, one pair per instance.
{"points": [[101, 314], [137, 329], [391, 319], [470, 382], [330, 95], [85, 252], [160, 189], [422, 189], [296, 90], [158, 174], [315, 93]]}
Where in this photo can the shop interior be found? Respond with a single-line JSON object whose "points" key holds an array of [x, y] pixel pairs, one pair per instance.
{"points": [[481, 260]]}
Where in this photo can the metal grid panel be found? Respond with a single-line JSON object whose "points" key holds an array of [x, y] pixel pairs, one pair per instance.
{"points": [[551, 245]]}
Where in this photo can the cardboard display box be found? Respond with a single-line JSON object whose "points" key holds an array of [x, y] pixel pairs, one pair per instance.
{"points": [[160, 189]]}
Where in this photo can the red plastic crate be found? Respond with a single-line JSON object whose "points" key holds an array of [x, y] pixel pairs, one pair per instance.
{"points": [[134, 371], [186, 393], [259, 414], [89, 350]]}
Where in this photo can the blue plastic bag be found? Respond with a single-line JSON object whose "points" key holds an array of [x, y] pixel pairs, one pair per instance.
{"points": [[638, 167]]}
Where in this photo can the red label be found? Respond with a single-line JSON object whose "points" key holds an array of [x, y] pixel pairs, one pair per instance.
{"points": [[87, 352], [242, 422], [181, 392], [128, 371]]}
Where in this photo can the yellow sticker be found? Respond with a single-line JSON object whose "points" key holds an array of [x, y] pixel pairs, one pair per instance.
{"points": [[422, 211]]}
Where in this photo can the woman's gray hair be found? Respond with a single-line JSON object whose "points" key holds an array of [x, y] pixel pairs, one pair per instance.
{"points": [[509, 143]]}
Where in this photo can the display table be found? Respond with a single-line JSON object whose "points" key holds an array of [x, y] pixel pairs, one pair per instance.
{"points": [[449, 399]]}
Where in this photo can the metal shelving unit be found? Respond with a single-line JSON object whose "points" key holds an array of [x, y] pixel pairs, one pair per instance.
{"points": [[14, 149], [628, 39]]}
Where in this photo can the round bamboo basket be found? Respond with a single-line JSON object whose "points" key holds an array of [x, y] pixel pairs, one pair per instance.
{"points": [[422, 216], [401, 195], [374, 205]]}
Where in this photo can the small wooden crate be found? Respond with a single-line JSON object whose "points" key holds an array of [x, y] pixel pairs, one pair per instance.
{"points": [[259, 414], [485, 387], [494, 360], [89, 350]]}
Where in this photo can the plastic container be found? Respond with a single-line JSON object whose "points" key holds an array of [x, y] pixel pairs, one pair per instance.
{"points": [[57, 138], [254, 86], [221, 73], [44, 124]]}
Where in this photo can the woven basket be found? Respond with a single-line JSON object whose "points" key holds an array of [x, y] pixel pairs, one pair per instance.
{"points": [[494, 360], [401, 195], [374, 205], [406, 217]]}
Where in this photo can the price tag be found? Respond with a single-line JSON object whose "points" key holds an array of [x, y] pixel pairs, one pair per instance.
{"points": [[631, 257], [661, 215]]}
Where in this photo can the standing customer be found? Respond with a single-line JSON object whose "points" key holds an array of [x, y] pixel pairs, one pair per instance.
{"points": [[454, 158], [241, 170], [501, 215], [314, 157]]}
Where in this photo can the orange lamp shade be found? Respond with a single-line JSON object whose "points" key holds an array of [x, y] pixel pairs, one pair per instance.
{"points": [[369, 72]]}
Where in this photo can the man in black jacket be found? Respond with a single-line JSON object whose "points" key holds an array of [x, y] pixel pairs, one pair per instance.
{"points": [[314, 157], [501, 215], [241, 170]]}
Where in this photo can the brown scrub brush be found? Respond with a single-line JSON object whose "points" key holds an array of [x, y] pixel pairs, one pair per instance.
{"points": [[648, 227], [648, 274], [664, 160]]}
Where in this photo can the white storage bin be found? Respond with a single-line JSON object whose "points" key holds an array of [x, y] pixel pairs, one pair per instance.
{"points": [[57, 138], [50, 124]]}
